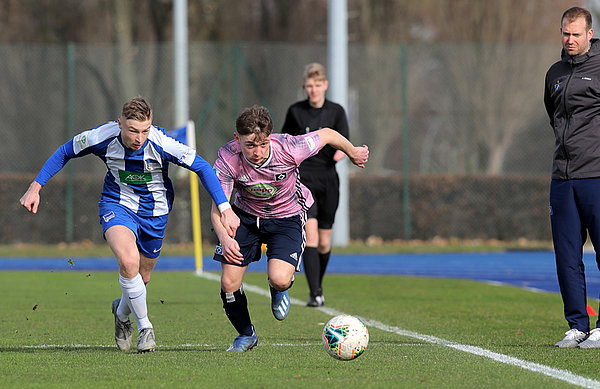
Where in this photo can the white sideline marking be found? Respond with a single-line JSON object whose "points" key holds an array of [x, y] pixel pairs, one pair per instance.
{"points": [[559, 374]]}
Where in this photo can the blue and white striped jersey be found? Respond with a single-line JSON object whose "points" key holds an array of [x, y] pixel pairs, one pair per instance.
{"points": [[136, 179]]}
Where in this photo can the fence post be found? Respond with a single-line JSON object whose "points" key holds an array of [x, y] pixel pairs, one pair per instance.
{"points": [[69, 212], [405, 144]]}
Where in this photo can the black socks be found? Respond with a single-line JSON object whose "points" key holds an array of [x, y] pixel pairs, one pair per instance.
{"points": [[235, 306]]}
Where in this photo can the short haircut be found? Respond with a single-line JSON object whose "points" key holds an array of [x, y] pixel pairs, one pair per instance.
{"points": [[315, 71], [574, 13], [137, 109], [254, 120]]}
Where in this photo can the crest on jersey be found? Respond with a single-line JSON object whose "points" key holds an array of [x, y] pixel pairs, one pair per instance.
{"points": [[280, 176]]}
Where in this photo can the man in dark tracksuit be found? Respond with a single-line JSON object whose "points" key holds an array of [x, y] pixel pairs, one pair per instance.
{"points": [[572, 100]]}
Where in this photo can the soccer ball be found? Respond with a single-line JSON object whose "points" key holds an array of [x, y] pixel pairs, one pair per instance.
{"points": [[345, 337]]}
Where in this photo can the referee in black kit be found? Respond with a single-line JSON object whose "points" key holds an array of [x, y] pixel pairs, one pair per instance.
{"points": [[318, 173]]}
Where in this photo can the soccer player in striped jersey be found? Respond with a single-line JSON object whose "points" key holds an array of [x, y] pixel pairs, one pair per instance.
{"points": [[135, 202], [271, 202]]}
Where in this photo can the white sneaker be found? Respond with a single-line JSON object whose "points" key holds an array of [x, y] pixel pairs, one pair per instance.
{"points": [[572, 338], [146, 342], [593, 341], [122, 329]]}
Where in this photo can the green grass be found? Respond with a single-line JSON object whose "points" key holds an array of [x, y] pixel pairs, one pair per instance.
{"points": [[72, 312]]}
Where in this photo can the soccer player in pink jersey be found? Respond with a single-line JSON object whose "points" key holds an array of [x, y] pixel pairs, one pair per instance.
{"points": [[271, 203]]}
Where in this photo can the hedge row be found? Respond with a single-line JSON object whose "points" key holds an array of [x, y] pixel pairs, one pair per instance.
{"points": [[446, 206]]}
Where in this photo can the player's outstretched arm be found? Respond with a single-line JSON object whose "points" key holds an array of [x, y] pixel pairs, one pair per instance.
{"points": [[212, 185], [31, 199], [231, 248], [358, 155]]}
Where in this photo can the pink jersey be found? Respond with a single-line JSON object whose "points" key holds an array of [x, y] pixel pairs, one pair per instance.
{"points": [[272, 190]]}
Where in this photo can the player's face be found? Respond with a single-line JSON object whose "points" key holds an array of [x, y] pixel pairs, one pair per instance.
{"points": [[315, 89], [575, 36], [134, 133], [255, 149]]}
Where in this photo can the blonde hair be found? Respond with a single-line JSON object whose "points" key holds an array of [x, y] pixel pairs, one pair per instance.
{"points": [[315, 71]]}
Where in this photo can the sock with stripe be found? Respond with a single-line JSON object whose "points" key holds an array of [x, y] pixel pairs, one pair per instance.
{"points": [[235, 306]]}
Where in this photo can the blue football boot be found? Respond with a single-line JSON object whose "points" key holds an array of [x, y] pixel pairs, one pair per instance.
{"points": [[243, 343], [280, 303]]}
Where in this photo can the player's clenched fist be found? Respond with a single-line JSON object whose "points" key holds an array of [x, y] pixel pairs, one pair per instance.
{"points": [[360, 156], [31, 199]]}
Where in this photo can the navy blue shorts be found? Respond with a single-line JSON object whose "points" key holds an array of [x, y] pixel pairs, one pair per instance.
{"points": [[149, 231], [284, 237]]}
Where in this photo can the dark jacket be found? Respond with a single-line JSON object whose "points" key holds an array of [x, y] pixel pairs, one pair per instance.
{"points": [[572, 100]]}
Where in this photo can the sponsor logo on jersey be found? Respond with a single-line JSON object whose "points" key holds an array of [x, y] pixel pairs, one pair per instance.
{"points": [[134, 178], [243, 178], [188, 157], [108, 216], [311, 143], [280, 176], [262, 190], [82, 141]]}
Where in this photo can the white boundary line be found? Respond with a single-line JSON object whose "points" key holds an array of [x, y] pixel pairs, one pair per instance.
{"points": [[559, 374]]}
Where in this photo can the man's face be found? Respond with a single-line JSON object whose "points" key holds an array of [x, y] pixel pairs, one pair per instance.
{"points": [[256, 150], [134, 133], [575, 36], [315, 89]]}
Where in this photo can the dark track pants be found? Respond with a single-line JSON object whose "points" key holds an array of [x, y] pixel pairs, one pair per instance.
{"points": [[575, 211]]}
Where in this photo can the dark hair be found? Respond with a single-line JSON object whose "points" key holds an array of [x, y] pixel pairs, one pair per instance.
{"points": [[254, 120], [137, 109], [574, 13]]}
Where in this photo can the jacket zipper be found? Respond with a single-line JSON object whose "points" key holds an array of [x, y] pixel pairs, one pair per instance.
{"points": [[567, 118]]}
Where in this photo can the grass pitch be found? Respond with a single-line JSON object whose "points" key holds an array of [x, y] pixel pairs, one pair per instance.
{"points": [[57, 331]]}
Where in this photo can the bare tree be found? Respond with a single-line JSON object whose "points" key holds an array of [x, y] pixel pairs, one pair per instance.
{"points": [[496, 78]]}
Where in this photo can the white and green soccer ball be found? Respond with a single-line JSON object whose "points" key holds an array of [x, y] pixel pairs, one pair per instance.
{"points": [[345, 337]]}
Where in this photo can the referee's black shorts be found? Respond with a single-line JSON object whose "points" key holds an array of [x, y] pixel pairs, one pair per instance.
{"points": [[325, 188]]}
